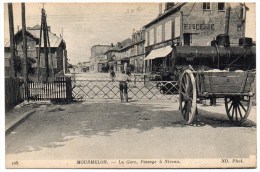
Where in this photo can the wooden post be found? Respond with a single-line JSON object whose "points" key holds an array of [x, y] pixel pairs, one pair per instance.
{"points": [[39, 52], [12, 47], [45, 30], [25, 67], [49, 46]]}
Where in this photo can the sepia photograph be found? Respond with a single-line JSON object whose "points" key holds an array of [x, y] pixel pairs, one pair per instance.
{"points": [[129, 85]]}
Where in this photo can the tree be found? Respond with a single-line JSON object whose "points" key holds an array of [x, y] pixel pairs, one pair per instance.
{"points": [[18, 64]]}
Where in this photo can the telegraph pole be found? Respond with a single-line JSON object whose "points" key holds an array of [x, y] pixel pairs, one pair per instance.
{"points": [[45, 30], [39, 52], [49, 46], [25, 67], [12, 47]]}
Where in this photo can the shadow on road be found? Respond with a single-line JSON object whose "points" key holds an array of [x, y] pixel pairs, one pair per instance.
{"points": [[218, 120], [55, 125]]}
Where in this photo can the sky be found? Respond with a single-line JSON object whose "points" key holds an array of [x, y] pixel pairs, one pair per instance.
{"points": [[86, 24]]}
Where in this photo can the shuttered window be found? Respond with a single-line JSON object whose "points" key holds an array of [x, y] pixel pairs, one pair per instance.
{"points": [[168, 30], [159, 34]]}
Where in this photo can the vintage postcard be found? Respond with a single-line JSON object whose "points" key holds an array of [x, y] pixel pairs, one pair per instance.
{"points": [[130, 85]]}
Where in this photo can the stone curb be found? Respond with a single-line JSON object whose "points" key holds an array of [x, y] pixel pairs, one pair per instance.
{"points": [[18, 121]]}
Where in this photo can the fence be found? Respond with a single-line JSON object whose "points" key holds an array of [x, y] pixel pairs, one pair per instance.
{"points": [[13, 92], [104, 89], [58, 90]]}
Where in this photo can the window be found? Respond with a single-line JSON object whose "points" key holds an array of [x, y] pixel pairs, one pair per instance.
{"points": [[168, 30], [151, 35], [239, 28], [221, 6], [206, 5], [147, 43], [159, 34], [177, 29]]}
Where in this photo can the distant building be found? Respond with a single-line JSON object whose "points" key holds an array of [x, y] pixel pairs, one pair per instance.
{"points": [[188, 24], [124, 54], [80, 67], [111, 55], [57, 58], [128, 52], [137, 51], [98, 57]]}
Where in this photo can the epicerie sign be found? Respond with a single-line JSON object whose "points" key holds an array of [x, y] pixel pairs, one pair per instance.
{"points": [[198, 27]]}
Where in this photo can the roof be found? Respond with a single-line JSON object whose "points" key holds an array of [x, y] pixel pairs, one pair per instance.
{"points": [[125, 43], [99, 45], [115, 49], [166, 13], [55, 41]]}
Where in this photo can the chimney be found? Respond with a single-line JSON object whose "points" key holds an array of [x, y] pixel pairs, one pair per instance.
{"points": [[133, 36], [160, 9], [49, 28], [112, 45], [119, 45], [168, 5]]}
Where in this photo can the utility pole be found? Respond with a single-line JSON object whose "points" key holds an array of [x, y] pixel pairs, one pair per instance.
{"points": [[49, 46], [45, 30], [12, 47], [25, 67], [39, 51]]}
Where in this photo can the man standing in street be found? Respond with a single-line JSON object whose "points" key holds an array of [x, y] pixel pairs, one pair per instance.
{"points": [[112, 75], [123, 79]]}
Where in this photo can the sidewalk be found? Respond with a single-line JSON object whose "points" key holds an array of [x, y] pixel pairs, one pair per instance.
{"points": [[21, 112]]}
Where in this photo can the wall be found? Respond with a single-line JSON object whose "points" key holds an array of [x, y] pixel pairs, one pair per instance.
{"points": [[208, 24], [205, 25], [97, 55], [13, 93], [200, 25], [57, 55]]}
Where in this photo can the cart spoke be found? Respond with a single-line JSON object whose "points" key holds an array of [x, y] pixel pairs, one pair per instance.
{"points": [[228, 101], [236, 113], [187, 84], [233, 112], [183, 86], [240, 114], [183, 81], [242, 106], [230, 107]]}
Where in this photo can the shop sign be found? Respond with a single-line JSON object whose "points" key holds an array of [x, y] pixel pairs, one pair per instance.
{"points": [[198, 27]]}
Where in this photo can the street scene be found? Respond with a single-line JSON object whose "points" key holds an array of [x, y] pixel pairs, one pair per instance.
{"points": [[130, 85]]}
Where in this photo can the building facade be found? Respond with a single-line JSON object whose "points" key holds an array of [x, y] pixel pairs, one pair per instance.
{"points": [[111, 55], [137, 51], [128, 54], [188, 24], [98, 57], [57, 58]]}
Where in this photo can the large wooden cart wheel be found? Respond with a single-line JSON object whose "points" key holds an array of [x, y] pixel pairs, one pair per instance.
{"points": [[188, 96], [238, 108]]}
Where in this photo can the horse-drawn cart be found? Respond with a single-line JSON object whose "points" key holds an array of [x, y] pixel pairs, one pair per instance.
{"points": [[234, 87]]}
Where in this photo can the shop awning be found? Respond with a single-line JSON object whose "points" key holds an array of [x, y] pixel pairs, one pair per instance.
{"points": [[159, 53]]}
